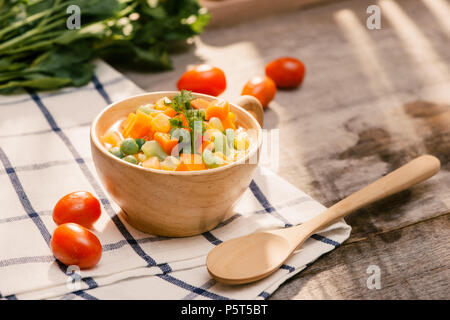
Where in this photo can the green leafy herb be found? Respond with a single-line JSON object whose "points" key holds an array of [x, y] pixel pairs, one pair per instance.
{"points": [[196, 119], [182, 102], [38, 51], [176, 123]]}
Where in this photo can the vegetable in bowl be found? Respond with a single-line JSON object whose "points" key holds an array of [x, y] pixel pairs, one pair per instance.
{"points": [[179, 134]]}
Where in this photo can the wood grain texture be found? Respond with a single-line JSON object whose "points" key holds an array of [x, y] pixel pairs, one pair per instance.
{"points": [[413, 264], [371, 101], [228, 12]]}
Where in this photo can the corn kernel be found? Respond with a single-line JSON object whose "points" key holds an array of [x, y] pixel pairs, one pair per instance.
{"points": [[242, 141], [162, 104]]}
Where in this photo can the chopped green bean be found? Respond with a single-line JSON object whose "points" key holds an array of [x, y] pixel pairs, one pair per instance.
{"points": [[220, 143], [211, 160], [152, 149]]}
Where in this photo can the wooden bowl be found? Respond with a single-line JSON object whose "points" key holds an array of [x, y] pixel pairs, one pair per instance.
{"points": [[175, 203]]}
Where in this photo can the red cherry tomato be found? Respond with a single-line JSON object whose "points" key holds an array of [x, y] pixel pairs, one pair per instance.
{"points": [[73, 244], [203, 78], [287, 72], [79, 207], [262, 88]]}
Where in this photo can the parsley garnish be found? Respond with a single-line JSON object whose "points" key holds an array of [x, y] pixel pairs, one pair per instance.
{"points": [[176, 123], [182, 101]]}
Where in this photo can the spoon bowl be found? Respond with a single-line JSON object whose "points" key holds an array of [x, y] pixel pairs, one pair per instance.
{"points": [[250, 257]]}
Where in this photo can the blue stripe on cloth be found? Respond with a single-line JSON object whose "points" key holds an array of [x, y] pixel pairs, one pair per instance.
{"points": [[266, 204], [101, 89], [26, 204], [24, 260], [90, 282], [39, 166], [270, 209], [165, 268], [193, 289], [65, 92], [11, 297], [208, 284], [286, 267], [325, 240], [211, 238], [85, 295], [264, 294], [90, 177], [115, 218]]}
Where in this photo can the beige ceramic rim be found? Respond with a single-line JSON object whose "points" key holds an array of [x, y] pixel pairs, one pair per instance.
{"points": [[100, 146]]}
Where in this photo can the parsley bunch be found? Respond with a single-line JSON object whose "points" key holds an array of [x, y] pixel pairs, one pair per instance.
{"points": [[38, 51]]}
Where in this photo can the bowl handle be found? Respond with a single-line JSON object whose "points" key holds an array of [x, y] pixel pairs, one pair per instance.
{"points": [[253, 106]]}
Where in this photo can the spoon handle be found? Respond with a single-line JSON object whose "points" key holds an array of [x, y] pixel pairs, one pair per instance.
{"points": [[413, 172]]}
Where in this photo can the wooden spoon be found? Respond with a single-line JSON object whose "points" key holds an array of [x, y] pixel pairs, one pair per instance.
{"points": [[255, 256]]}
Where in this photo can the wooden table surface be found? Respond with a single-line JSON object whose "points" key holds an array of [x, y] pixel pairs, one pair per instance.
{"points": [[371, 101]]}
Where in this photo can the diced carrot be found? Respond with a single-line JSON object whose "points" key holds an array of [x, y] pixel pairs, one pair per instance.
{"points": [[191, 162], [165, 141], [206, 144], [183, 119], [200, 103], [219, 109], [113, 138], [160, 123], [128, 124], [182, 167], [170, 112], [141, 126], [228, 122]]}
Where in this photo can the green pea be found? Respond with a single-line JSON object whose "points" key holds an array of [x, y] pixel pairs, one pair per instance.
{"points": [[152, 149], [211, 160], [129, 146], [130, 159], [140, 142], [116, 151]]}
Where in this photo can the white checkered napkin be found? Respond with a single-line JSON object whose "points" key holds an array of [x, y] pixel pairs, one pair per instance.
{"points": [[45, 154]]}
